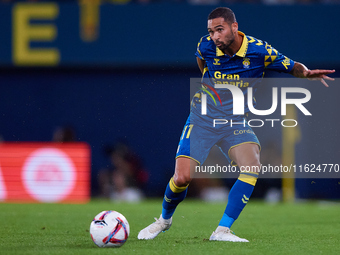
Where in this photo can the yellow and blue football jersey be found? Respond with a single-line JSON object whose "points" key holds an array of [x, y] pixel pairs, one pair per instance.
{"points": [[244, 69]]}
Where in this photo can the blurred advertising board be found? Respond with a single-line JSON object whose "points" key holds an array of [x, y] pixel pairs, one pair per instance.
{"points": [[36, 172]]}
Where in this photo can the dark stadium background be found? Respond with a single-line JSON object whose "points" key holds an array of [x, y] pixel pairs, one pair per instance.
{"points": [[131, 80]]}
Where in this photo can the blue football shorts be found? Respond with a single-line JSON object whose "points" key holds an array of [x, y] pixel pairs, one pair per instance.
{"points": [[199, 136]]}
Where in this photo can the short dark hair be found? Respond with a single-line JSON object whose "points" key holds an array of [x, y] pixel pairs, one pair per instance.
{"points": [[223, 12]]}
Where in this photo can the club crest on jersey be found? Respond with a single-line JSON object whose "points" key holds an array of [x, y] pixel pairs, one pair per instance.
{"points": [[246, 63], [217, 62]]}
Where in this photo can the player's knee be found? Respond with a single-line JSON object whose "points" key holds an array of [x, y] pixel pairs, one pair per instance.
{"points": [[256, 165], [251, 165], [181, 180]]}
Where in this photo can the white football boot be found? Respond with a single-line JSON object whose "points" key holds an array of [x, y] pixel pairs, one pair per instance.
{"points": [[224, 234], [153, 230]]}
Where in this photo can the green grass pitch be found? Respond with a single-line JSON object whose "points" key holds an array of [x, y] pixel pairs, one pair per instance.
{"points": [[305, 228]]}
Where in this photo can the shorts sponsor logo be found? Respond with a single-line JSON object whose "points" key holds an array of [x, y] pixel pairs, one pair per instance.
{"points": [[243, 131]]}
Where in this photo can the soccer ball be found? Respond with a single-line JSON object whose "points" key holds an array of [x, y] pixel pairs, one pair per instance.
{"points": [[109, 229]]}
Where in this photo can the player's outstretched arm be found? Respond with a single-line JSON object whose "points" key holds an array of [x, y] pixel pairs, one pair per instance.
{"points": [[301, 71]]}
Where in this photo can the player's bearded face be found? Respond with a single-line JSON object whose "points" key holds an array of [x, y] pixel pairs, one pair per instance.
{"points": [[225, 42], [221, 33]]}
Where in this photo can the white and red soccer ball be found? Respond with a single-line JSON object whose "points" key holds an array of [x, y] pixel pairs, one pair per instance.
{"points": [[109, 229]]}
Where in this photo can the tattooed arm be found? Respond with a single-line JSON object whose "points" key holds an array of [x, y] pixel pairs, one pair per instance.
{"points": [[301, 71]]}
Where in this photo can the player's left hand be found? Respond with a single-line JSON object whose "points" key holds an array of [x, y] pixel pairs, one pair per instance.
{"points": [[320, 75]]}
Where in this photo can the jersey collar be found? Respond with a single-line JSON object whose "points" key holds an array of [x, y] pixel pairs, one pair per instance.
{"points": [[243, 49]]}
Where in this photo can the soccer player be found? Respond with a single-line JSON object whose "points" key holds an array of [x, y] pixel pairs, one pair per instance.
{"points": [[224, 53]]}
